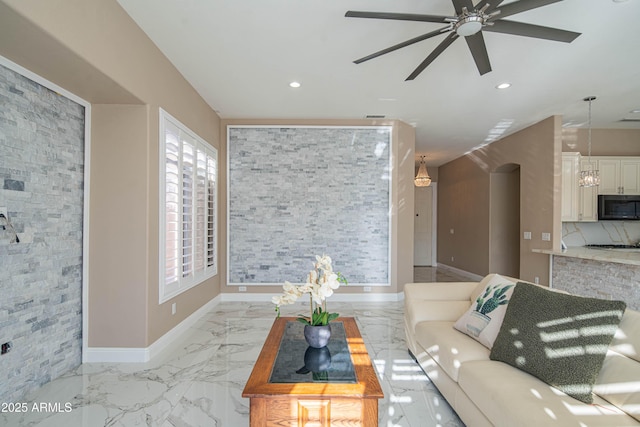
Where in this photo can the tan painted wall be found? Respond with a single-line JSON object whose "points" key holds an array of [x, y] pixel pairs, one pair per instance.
{"points": [[463, 215], [402, 203], [118, 213], [464, 203], [94, 50], [604, 142]]}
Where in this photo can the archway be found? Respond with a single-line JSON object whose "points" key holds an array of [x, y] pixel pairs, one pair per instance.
{"points": [[504, 225]]}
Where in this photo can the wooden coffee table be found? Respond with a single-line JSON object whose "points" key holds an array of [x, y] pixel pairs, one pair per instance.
{"points": [[281, 397]]}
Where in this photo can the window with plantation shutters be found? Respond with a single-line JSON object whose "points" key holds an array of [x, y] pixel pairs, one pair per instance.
{"points": [[188, 204]]}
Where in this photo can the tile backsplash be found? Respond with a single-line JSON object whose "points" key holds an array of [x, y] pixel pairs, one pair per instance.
{"points": [[601, 232]]}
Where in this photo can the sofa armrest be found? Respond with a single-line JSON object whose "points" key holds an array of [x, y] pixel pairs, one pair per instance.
{"points": [[438, 301], [439, 291]]}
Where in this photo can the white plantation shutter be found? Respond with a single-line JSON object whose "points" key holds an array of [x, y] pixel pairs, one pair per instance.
{"points": [[187, 207], [212, 206], [188, 194], [173, 221], [200, 225]]}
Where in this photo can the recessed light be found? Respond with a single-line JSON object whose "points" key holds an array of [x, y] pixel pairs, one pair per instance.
{"points": [[636, 111], [294, 84], [504, 85]]}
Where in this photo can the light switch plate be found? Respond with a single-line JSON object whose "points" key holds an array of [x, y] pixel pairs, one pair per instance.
{"points": [[546, 236], [527, 235]]}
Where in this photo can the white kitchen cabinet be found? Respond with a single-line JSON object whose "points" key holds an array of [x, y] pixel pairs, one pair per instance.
{"points": [[619, 175], [630, 176], [570, 162], [587, 196], [578, 203], [609, 176]]}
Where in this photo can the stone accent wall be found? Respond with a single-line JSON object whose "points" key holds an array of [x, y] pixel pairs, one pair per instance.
{"points": [[41, 185], [295, 192], [598, 279]]}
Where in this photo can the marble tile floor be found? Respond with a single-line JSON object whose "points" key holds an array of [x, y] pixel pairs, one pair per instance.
{"points": [[434, 274], [199, 380]]}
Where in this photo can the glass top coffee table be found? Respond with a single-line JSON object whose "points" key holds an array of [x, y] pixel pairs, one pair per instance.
{"points": [[296, 362], [295, 385]]}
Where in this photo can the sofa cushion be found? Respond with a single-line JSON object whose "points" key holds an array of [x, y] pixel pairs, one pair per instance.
{"points": [[510, 397], [482, 320], [618, 383], [561, 339], [626, 341], [448, 347]]}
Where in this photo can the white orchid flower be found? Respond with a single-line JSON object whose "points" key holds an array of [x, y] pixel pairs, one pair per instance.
{"points": [[306, 288], [317, 294], [325, 291], [332, 281], [290, 289], [312, 277], [289, 299], [323, 262], [320, 284]]}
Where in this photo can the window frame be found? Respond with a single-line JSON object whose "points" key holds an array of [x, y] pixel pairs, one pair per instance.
{"points": [[205, 185]]}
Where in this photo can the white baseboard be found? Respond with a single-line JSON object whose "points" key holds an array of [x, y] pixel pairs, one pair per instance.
{"points": [[339, 297], [142, 355], [471, 276], [115, 355]]}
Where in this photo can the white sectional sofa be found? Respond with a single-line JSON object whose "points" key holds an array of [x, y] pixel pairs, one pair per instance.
{"points": [[486, 392]]}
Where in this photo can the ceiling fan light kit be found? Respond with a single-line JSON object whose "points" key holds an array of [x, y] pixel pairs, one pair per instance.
{"points": [[468, 26], [469, 22]]}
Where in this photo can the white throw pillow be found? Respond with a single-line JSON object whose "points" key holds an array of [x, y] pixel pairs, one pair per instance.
{"points": [[483, 319]]}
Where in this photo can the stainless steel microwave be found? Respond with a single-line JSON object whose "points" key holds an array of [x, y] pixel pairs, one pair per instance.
{"points": [[618, 207]]}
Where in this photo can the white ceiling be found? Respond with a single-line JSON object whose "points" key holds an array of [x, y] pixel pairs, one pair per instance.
{"points": [[241, 55]]}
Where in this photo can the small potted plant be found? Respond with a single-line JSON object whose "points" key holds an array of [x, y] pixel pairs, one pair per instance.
{"points": [[320, 284]]}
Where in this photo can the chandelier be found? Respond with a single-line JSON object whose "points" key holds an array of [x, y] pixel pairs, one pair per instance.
{"points": [[589, 177], [422, 179]]}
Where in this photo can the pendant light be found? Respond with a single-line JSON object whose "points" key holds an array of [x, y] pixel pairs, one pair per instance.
{"points": [[589, 177], [422, 179]]}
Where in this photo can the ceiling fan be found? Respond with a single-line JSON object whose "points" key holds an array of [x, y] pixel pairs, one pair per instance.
{"points": [[469, 22]]}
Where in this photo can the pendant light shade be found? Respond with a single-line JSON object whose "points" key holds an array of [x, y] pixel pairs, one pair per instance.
{"points": [[589, 177], [422, 179]]}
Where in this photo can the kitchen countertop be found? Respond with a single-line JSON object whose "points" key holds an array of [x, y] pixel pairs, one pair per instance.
{"points": [[621, 256]]}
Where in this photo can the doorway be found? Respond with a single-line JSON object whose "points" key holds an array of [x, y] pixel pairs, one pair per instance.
{"points": [[504, 253], [424, 230]]}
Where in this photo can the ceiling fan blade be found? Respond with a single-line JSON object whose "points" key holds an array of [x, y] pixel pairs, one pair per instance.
{"points": [[401, 45], [493, 4], [479, 52], [397, 16], [459, 4], [522, 6], [530, 30], [433, 55]]}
